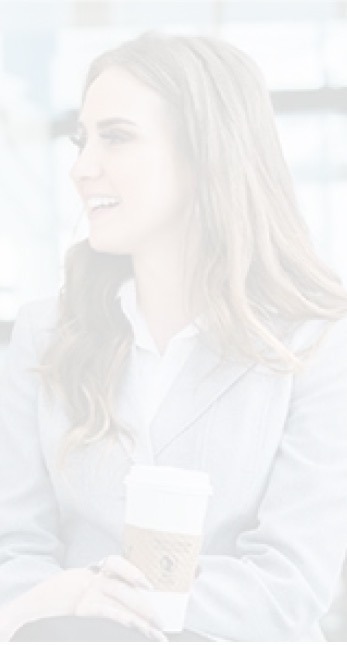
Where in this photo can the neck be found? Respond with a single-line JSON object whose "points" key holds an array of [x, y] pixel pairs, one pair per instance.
{"points": [[161, 281]]}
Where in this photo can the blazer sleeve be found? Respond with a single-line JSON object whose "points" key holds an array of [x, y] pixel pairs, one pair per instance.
{"points": [[282, 580], [30, 548]]}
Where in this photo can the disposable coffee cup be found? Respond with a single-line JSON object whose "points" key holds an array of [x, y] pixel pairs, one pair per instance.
{"points": [[163, 529]]}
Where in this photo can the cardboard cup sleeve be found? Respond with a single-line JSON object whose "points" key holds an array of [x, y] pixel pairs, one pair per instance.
{"points": [[168, 560]]}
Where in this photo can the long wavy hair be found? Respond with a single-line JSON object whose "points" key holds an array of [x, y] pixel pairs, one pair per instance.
{"points": [[259, 275]]}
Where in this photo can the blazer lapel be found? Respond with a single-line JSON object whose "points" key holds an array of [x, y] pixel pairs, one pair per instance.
{"points": [[202, 380]]}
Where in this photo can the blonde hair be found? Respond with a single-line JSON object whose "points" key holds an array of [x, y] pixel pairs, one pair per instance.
{"points": [[258, 273]]}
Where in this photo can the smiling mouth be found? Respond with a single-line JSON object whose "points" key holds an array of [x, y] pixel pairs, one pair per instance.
{"points": [[101, 206], [99, 210]]}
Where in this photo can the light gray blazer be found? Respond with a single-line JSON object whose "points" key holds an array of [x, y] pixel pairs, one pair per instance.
{"points": [[276, 450]]}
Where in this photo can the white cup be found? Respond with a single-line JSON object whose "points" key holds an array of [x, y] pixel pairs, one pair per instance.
{"points": [[164, 519]]}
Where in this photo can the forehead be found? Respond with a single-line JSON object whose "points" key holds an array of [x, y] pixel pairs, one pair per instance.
{"points": [[117, 93]]}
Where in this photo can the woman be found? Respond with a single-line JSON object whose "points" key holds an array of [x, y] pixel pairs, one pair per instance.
{"points": [[195, 328]]}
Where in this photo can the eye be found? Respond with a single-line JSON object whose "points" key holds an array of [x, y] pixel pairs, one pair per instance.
{"points": [[78, 139], [114, 137]]}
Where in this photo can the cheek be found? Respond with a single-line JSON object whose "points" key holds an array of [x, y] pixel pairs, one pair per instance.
{"points": [[155, 188], [160, 186], [150, 171]]}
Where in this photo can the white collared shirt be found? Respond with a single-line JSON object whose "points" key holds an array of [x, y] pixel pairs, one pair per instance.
{"points": [[149, 374]]}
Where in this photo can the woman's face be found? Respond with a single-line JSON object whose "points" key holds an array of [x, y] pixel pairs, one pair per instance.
{"points": [[134, 179]]}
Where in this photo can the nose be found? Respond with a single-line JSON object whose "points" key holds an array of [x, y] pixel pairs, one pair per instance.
{"points": [[87, 164]]}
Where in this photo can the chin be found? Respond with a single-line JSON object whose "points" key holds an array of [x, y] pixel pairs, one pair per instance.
{"points": [[102, 245]]}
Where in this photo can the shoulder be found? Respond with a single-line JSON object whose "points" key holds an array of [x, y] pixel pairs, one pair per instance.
{"points": [[42, 313], [320, 334], [36, 321], [321, 347], [326, 361]]}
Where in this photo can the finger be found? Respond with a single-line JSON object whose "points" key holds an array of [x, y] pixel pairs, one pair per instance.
{"points": [[130, 597], [121, 567], [119, 614]]}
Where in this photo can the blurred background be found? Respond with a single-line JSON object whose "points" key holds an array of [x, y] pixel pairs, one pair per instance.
{"points": [[45, 49]]}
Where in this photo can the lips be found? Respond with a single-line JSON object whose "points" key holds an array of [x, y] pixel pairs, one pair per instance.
{"points": [[101, 201], [101, 205], [101, 212]]}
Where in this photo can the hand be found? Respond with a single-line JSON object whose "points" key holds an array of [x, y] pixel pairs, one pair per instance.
{"points": [[57, 595], [81, 592], [115, 592]]}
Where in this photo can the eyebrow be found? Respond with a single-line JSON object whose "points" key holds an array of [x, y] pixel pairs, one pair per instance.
{"points": [[106, 123]]}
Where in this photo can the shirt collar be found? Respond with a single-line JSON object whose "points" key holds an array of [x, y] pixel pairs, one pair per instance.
{"points": [[142, 336]]}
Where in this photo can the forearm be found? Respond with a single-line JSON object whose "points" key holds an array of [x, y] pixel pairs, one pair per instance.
{"points": [[22, 572], [238, 599], [22, 598], [15, 614], [9, 623]]}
